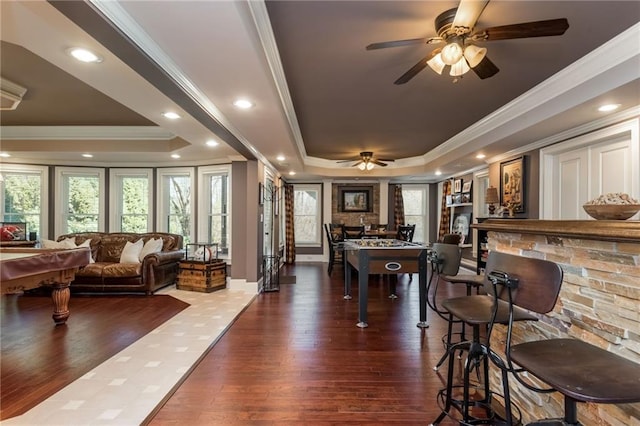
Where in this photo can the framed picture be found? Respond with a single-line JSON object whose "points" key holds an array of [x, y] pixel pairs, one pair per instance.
{"points": [[461, 225], [466, 187], [512, 185], [13, 231], [457, 185], [449, 200], [356, 199]]}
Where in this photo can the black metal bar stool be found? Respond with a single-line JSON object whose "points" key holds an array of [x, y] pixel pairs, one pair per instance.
{"points": [[495, 307], [445, 265]]}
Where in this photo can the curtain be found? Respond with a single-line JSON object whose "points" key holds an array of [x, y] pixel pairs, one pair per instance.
{"points": [[444, 210], [398, 206], [290, 243]]}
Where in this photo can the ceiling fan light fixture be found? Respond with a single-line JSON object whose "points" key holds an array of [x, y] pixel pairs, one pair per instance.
{"points": [[436, 64], [474, 55], [451, 53], [459, 68], [362, 166], [370, 166]]}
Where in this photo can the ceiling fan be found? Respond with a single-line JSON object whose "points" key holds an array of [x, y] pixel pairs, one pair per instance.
{"points": [[455, 27], [366, 161]]}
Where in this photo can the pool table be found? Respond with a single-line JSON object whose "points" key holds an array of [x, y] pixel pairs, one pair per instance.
{"points": [[28, 268]]}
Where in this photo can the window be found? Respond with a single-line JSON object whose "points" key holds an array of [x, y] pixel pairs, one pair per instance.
{"points": [[174, 200], [24, 189], [131, 200], [307, 205], [415, 209], [214, 210], [79, 200]]}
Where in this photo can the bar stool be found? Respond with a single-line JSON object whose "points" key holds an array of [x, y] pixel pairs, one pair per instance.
{"points": [[530, 279], [445, 265], [580, 371]]}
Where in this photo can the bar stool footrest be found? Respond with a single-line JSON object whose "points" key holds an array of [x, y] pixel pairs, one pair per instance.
{"points": [[494, 409]]}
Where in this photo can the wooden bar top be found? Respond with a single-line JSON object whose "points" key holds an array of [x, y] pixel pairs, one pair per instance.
{"points": [[606, 230]]}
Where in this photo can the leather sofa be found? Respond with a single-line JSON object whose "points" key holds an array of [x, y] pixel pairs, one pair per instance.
{"points": [[107, 274]]}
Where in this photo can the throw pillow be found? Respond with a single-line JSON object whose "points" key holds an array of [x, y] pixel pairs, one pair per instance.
{"points": [[131, 252], [67, 243], [87, 243], [153, 245]]}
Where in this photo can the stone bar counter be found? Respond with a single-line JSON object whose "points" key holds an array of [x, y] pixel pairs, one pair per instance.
{"points": [[599, 300]]}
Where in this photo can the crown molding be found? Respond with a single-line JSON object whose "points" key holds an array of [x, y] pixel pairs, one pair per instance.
{"points": [[85, 132], [265, 33], [622, 51]]}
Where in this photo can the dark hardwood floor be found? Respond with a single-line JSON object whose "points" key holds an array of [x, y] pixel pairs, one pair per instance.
{"points": [[296, 357], [38, 359]]}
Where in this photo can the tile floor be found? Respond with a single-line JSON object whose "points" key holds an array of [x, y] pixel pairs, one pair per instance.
{"points": [[125, 389]]}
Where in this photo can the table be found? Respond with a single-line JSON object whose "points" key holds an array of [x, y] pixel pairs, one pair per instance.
{"points": [[27, 268], [384, 256]]}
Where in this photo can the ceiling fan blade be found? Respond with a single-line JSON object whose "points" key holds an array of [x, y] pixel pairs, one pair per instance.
{"points": [[379, 163], [386, 160], [552, 27], [468, 13], [416, 68], [485, 68], [396, 43]]}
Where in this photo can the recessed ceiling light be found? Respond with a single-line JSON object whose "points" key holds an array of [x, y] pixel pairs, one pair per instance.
{"points": [[175, 155], [5, 155], [280, 158], [480, 156], [87, 155], [170, 115], [84, 55], [438, 172], [242, 103], [609, 107], [211, 142], [291, 173]]}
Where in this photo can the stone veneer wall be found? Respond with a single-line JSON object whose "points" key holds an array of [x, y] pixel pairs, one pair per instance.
{"points": [[353, 219], [599, 303]]}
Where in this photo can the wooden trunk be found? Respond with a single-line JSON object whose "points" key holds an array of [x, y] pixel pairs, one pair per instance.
{"points": [[201, 276]]}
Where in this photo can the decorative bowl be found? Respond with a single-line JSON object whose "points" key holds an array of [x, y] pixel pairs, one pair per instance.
{"points": [[611, 211]]}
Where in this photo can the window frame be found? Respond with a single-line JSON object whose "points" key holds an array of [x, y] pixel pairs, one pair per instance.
{"points": [[318, 188], [424, 188], [61, 174], [202, 207], [116, 177], [43, 172], [162, 209]]}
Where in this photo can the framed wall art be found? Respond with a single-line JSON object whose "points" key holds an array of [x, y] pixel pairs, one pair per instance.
{"points": [[512, 184], [356, 200], [457, 185]]}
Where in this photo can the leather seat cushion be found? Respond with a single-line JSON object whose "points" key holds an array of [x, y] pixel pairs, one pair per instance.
{"points": [[122, 270]]}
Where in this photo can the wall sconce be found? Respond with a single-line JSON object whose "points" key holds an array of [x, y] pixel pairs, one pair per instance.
{"points": [[491, 198]]}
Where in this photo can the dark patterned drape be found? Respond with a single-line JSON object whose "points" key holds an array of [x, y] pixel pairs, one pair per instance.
{"points": [[290, 243], [398, 206], [444, 210]]}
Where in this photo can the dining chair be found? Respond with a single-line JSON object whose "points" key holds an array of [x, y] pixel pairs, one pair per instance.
{"points": [[352, 232], [335, 248], [405, 232]]}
